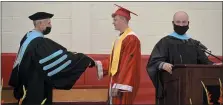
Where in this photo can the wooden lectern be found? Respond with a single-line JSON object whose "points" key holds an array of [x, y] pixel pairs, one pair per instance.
{"points": [[185, 83]]}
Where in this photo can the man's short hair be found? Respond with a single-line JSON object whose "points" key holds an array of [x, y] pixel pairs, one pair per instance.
{"points": [[124, 18]]}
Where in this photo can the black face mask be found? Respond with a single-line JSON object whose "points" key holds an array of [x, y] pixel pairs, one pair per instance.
{"points": [[181, 30], [47, 30]]}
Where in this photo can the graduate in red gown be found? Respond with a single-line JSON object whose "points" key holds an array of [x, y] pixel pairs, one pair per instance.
{"points": [[123, 65]]}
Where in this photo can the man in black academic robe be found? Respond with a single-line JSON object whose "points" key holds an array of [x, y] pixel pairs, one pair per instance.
{"points": [[176, 48], [43, 64]]}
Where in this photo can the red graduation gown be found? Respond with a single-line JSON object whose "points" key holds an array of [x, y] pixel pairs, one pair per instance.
{"points": [[127, 78]]}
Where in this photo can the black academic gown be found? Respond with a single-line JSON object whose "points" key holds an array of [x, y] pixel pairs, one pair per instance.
{"points": [[174, 51], [41, 70]]}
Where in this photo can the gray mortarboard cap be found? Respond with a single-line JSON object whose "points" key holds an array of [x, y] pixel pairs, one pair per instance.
{"points": [[40, 15]]}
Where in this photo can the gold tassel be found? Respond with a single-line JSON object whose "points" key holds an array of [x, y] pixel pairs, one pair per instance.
{"points": [[1, 90], [24, 95], [206, 91], [1, 85], [221, 93], [2, 82], [43, 102]]}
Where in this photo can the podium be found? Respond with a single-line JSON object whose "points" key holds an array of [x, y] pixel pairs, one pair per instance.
{"points": [[185, 84]]}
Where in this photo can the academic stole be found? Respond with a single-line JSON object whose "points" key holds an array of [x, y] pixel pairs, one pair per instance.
{"points": [[114, 62]]}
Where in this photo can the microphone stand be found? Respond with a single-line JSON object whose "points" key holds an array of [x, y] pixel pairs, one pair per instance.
{"points": [[211, 54], [203, 48]]}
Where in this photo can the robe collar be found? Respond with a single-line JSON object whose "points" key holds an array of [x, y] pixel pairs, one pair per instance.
{"points": [[182, 37]]}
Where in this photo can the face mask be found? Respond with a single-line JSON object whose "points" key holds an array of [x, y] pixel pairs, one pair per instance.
{"points": [[181, 30], [47, 31]]}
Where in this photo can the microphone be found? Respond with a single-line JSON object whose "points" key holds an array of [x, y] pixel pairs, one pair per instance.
{"points": [[202, 46], [205, 49]]}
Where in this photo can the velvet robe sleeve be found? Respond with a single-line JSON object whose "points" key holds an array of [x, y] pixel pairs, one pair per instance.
{"points": [[157, 57]]}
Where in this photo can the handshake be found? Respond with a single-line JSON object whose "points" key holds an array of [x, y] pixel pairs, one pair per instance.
{"points": [[98, 66]]}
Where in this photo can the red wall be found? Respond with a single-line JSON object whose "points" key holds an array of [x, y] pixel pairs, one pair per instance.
{"points": [[146, 94]]}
